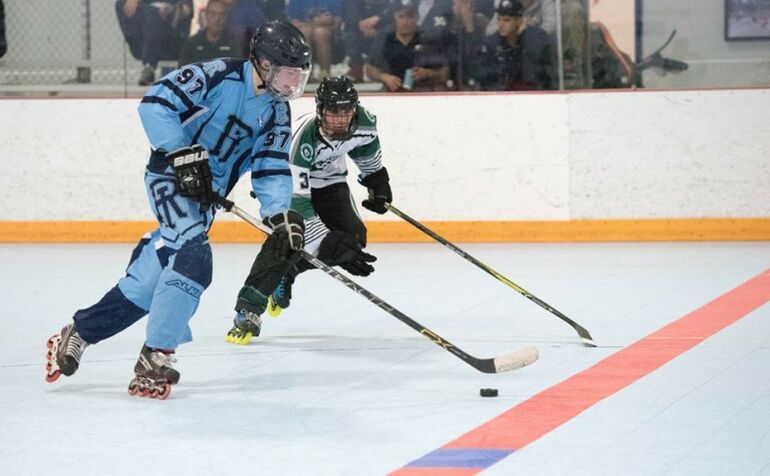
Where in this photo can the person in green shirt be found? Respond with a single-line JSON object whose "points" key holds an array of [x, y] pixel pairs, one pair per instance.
{"points": [[334, 231]]}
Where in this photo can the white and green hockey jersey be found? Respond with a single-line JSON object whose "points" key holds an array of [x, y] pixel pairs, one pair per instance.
{"points": [[317, 161]]}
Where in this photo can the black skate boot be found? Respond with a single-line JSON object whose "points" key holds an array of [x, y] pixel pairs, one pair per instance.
{"points": [[246, 325], [280, 297], [155, 374], [64, 352]]}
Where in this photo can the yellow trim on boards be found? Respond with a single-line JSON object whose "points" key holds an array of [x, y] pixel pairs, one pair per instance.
{"points": [[706, 229]]}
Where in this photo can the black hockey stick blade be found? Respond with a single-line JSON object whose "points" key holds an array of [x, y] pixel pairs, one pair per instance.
{"points": [[504, 363], [581, 331]]}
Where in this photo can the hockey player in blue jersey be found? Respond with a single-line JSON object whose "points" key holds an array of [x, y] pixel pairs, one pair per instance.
{"points": [[208, 124]]}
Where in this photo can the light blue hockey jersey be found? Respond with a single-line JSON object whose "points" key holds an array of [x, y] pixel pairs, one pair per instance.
{"points": [[213, 104]]}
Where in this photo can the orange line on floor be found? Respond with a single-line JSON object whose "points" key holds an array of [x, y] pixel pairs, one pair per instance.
{"points": [[542, 413]]}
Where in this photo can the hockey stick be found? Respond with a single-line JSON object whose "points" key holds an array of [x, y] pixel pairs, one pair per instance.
{"points": [[582, 332], [503, 363]]}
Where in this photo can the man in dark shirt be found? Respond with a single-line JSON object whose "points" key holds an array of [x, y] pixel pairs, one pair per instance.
{"points": [[364, 21], [517, 57], [403, 60], [213, 41]]}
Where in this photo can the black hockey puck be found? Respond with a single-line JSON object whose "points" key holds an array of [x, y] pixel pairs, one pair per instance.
{"points": [[488, 392]]}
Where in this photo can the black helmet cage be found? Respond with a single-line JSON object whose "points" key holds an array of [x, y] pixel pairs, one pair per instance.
{"points": [[335, 94]]}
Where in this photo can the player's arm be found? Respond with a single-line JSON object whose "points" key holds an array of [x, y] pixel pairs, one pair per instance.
{"points": [[272, 183], [368, 159], [271, 178], [367, 155], [169, 103]]}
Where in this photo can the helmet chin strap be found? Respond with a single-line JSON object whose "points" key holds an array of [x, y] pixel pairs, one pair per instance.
{"points": [[259, 73]]}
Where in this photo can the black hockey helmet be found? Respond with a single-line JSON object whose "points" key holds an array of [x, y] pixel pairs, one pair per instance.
{"points": [[336, 94], [285, 47]]}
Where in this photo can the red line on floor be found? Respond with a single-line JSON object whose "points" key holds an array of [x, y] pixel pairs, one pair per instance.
{"points": [[540, 414]]}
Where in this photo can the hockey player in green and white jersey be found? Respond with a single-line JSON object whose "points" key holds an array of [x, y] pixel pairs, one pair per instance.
{"points": [[334, 231]]}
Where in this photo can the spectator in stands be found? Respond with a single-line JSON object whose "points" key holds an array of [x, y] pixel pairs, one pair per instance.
{"points": [[487, 7], [214, 41], [246, 15], [540, 13], [518, 56], [363, 20], [154, 31], [433, 14], [321, 23], [434, 18], [3, 42], [468, 26], [402, 60]]}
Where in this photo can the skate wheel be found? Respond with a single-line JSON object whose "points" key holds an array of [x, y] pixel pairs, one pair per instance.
{"points": [[161, 393], [240, 340], [52, 377], [273, 309], [133, 389], [165, 393], [52, 340]]}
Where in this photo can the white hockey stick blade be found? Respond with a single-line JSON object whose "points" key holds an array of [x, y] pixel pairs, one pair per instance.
{"points": [[516, 360]]}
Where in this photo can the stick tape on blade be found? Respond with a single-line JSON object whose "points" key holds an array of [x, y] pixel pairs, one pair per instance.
{"points": [[516, 360]]}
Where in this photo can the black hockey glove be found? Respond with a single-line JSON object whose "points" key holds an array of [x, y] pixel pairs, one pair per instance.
{"points": [[338, 248], [288, 233], [193, 174], [378, 184]]}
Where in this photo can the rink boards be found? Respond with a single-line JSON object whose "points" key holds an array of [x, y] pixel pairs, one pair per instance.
{"points": [[590, 166]]}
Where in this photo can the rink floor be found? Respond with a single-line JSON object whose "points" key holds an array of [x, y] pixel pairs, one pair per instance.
{"points": [[336, 386]]}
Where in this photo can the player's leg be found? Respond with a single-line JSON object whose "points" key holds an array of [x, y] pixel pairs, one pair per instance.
{"points": [[174, 302], [343, 244], [336, 213], [184, 276], [335, 206], [118, 309], [269, 267]]}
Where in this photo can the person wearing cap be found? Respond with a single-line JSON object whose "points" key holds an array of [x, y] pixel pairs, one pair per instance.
{"points": [[405, 58], [540, 13], [517, 57]]}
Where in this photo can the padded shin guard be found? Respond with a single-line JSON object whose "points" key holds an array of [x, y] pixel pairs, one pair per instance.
{"points": [[252, 300], [266, 272]]}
